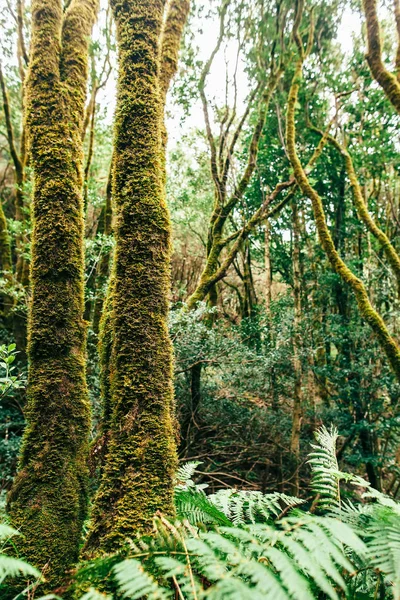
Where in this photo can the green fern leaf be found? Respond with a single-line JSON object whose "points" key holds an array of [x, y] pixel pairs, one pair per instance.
{"points": [[14, 567], [135, 583]]}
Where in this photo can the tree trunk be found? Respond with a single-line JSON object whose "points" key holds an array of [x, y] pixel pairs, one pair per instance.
{"points": [[267, 266], [139, 470], [48, 500], [6, 300], [297, 368]]}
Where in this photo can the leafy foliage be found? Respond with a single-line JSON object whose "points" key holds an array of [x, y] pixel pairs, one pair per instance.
{"points": [[9, 380], [11, 567], [241, 544]]}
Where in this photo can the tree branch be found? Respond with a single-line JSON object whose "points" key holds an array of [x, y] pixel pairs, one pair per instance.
{"points": [[367, 311], [178, 11], [388, 82], [9, 128], [205, 72]]}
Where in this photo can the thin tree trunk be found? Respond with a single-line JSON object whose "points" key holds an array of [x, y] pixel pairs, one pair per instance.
{"points": [[371, 316], [104, 263], [297, 367], [267, 266]]}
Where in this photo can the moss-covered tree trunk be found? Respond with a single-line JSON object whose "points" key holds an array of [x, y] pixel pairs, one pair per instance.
{"points": [[387, 80], [141, 459], [48, 500], [267, 266]]}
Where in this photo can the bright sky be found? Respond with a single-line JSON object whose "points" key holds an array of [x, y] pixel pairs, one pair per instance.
{"points": [[204, 40], [350, 25]]}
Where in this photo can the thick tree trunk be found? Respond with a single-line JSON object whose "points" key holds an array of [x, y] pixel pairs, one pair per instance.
{"points": [[141, 459], [48, 500]]}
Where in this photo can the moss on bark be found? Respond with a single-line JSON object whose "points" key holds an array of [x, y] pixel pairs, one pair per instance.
{"points": [[48, 500], [141, 459], [178, 11], [388, 82]]}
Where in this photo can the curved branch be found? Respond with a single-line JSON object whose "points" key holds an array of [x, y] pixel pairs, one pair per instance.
{"points": [[178, 11], [21, 38], [397, 18], [254, 144], [202, 82], [236, 135], [9, 128], [388, 82]]}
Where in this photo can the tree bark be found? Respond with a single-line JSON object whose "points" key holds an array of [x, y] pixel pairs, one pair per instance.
{"points": [[48, 501], [138, 478]]}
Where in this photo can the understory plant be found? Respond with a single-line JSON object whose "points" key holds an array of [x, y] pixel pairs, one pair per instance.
{"points": [[342, 542], [237, 544]]}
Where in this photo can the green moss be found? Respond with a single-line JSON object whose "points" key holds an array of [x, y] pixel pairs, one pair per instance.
{"points": [[48, 501], [171, 38], [141, 460], [362, 210], [5, 246], [389, 82]]}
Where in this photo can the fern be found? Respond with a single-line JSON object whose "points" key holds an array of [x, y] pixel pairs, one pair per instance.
{"points": [[197, 508], [377, 522], [325, 469], [134, 582], [296, 559], [251, 507], [228, 506], [185, 473], [93, 594], [238, 545], [383, 543], [10, 566]]}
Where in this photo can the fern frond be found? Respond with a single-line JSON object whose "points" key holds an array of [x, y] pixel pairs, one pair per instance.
{"points": [[325, 469], [383, 545], [7, 532], [14, 567], [134, 582], [185, 473], [93, 594], [382, 499], [197, 508], [317, 546], [251, 507], [292, 578], [296, 559]]}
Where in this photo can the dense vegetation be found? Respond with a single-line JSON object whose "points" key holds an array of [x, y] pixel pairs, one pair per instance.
{"points": [[197, 283]]}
